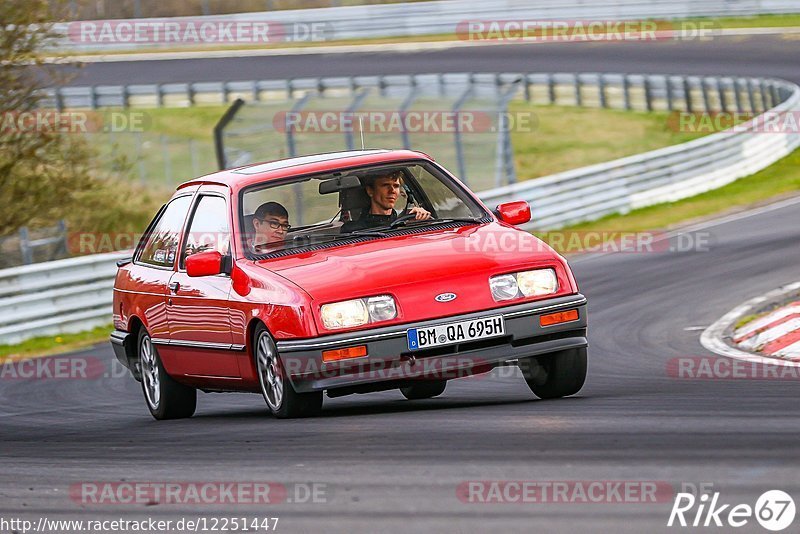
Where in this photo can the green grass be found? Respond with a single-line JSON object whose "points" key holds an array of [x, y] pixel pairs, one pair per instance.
{"points": [[564, 137], [759, 21], [746, 320], [161, 151], [48, 345], [568, 137], [779, 179]]}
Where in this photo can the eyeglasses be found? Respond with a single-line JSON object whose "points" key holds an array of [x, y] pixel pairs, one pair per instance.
{"points": [[275, 225]]}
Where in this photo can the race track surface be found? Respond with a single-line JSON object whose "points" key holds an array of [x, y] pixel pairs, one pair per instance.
{"points": [[390, 465], [767, 55]]}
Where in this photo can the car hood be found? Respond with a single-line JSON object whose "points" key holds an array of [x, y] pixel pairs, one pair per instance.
{"points": [[416, 268]]}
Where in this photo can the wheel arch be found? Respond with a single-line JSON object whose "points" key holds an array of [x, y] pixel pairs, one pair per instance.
{"points": [[135, 325]]}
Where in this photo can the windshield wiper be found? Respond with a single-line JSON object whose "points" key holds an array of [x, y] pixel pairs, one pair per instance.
{"points": [[308, 240], [355, 233], [414, 222]]}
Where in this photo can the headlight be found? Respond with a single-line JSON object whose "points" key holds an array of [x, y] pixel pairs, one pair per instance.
{"points": [[523, 284], [358, 312], [539, 282], [504, 287], [381, 308], [345, 314]]}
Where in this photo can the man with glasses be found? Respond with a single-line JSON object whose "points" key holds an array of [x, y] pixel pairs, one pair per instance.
{"points": [[271, 223]]}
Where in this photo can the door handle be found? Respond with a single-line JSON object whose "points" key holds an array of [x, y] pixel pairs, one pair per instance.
{"points": [[174, 286]]}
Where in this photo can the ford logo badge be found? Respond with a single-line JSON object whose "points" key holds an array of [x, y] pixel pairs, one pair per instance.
{"points": [[445, 297]]}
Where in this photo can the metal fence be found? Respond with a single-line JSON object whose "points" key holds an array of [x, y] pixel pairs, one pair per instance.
{"points": [[152, 158], [34, 245], [484, 159], [444, 16], [75, 294]]}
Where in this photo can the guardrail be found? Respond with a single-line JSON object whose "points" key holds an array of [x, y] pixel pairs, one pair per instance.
{"points": [[57, 296], [442, 17], [76, 294], [663, 175]]}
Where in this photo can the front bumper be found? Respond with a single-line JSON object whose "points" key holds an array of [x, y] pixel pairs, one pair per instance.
{"points": [[389, 359]]}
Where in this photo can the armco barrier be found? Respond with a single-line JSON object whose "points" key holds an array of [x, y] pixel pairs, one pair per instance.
{"points": [[443, 16], [75, 294], [663, 175], [57, 296]]}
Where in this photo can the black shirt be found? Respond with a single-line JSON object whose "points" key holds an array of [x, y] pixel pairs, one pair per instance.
{"points": [[369, 220]]}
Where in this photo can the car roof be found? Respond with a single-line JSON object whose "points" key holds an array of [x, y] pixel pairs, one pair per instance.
{"points": [[310, 164]]}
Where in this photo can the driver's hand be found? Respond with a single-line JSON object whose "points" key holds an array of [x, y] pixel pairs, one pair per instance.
{"points": [[420, 213]]}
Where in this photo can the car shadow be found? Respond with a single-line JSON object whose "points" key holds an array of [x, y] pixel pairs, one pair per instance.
{"points": [[384, 407]]}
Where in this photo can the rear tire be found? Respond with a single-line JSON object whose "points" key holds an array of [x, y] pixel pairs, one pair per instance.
{"points": [[555, 375], [424, 390], [279, 394], [165, 398]]}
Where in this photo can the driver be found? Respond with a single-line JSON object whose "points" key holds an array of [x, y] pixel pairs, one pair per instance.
{"points": [[383, 192]]}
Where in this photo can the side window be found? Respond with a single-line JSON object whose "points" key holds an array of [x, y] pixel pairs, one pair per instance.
{"points": [[208, 229], [162, 243]]}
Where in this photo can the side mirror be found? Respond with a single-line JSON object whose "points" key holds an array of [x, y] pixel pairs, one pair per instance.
{"points": [[207, 263], [518, 212]]}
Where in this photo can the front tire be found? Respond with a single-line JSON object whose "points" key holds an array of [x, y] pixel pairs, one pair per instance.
{"points": [[424, 390], [165, 398], [281, 398], [555, 375]]}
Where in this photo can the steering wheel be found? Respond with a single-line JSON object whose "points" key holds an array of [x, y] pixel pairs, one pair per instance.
{"points": [[402, 220]]}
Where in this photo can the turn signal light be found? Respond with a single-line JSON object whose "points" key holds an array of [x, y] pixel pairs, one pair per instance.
{"points": [[344, 354], [558, 318]]}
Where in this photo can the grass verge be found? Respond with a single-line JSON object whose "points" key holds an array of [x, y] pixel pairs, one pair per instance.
{"points": [[569, 137], [563, 138], [778, 180], [50, 345]]}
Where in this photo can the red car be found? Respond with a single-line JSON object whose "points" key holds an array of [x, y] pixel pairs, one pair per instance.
{"points": [[347, 272]]}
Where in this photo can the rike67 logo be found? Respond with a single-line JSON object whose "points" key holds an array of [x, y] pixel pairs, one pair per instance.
{"points": [[774, 510]]}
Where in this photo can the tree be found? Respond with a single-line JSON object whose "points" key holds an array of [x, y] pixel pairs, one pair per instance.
{"points": [[43, 171]]}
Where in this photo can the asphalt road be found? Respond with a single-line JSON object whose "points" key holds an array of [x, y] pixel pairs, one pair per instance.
{"points": [[766, 55], [391, 465]]}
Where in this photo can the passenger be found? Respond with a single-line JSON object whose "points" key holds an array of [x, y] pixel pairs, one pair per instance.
{"points": [[383, 192], [271, 223]]}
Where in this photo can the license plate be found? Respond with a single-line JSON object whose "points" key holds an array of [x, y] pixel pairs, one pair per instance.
{"points": [[451, 333]]}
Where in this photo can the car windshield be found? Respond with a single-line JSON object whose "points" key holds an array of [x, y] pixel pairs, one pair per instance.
{"points": [[364, 202]]}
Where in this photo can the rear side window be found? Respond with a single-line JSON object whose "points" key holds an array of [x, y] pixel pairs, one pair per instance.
{"points": [[161, 246]]}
